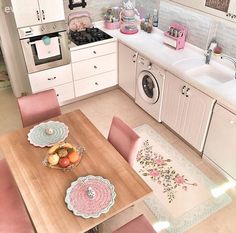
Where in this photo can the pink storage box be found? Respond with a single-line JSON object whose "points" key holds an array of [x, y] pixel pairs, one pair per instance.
{"points": [[112, 26]]}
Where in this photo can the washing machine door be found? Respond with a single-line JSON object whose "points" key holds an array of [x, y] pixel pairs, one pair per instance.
{"points": [[148, 87]]}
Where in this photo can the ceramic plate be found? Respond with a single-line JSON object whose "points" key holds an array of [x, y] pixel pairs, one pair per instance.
{"points": [[90, 196], [48, 133]]}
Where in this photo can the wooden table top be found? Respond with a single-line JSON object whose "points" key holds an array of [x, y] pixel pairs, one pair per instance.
{"points": [[43, 189]]}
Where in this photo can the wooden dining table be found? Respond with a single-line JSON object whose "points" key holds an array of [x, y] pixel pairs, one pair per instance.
{"points": [[43, 189]]}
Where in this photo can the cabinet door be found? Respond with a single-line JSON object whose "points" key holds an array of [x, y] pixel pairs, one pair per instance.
{"points": [[127, 69], [220, 143], [50, 78], [51, 10], [173, 102], [26, 12], [194, 125]]}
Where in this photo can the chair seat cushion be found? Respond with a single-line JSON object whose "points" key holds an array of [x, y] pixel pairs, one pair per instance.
{"points": [[137, 225], [13, 215]]}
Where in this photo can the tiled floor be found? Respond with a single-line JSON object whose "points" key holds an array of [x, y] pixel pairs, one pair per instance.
{"points": [[100, 109]]}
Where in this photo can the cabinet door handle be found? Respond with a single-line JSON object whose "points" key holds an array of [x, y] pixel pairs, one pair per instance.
{"points": [[95, 67], [49, 79], [57, 95], [94, 52], [183, 90], [43, 14], [38, 16], [187, 92], [232, 122], [96, 83], [135, 57]]}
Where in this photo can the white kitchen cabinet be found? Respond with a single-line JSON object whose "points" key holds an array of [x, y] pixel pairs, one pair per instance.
{"points": [[127, 69], [220, 145], [186, 110], [33, 12], [220, 11], [59, 78], [94, 68]]}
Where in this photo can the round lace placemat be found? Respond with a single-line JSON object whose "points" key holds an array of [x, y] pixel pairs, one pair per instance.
{"points": [[90, 196], [48, 133]]}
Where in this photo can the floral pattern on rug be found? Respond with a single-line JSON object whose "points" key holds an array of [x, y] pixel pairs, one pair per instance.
{"points": [[159, 170]]}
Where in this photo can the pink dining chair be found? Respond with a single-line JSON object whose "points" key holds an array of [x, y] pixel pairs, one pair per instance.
{"points": [[137, 225], [38, 107], [124, 139], [13, 215]]}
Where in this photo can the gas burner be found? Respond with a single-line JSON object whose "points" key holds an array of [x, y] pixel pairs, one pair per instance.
{"points": [[89, 35]]}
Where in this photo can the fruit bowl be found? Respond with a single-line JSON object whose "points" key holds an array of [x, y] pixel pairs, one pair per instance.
{"points": [[63, 156]]}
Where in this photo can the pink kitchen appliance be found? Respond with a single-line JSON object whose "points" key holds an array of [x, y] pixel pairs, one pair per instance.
{"points": [[176, 36]]}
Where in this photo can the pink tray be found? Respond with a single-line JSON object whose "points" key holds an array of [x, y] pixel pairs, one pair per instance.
{"points": [[81, 204]]}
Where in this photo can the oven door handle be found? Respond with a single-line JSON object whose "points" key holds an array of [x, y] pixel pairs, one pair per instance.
{"points": [[33, 42]]}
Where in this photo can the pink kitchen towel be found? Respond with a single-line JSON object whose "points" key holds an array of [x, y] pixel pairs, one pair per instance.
{"points": [[46, 51]]}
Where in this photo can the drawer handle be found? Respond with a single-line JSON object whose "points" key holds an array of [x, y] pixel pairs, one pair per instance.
{"points": [[94, 52], [187, 94], [57, 95], [183, 90], [95, 67], [49, 79], [96, 83]]}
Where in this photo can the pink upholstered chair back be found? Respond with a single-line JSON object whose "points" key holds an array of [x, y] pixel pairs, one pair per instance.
{"points": [[38, 107], [124, 139]]}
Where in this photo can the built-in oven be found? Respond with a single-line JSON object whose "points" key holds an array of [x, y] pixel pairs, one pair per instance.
{"points": [[45, 46]]}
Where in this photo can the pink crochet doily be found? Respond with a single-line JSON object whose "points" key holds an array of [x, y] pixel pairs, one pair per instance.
{"points": [[82, 204]]}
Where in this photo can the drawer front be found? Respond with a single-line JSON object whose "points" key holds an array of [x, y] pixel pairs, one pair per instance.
{"points": [[92, 52], [65, 92], [95, 66], [95, 83], [50, 78]]}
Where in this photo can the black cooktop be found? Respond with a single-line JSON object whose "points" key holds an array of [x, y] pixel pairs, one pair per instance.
{"points": [[89, 35]]}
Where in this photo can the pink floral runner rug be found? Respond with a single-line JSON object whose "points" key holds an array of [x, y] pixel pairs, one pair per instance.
{"points": [[182, 193]]}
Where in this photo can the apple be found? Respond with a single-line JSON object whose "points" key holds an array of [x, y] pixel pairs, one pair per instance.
{"points": [[53, 159], [64, 162], [73, 157]]}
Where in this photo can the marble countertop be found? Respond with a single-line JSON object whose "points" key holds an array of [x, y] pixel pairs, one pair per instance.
{"points": [[151, 46]]}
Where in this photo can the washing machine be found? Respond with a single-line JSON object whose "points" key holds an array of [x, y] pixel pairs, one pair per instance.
{"points": [[149, 87]]}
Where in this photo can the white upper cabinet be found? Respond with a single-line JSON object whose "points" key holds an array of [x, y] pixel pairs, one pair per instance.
{"points": [[51, 10], [219, 8], [33, 12]]}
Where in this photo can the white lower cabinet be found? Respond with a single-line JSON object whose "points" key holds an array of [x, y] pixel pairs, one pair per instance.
{"points": [[59, 78], [95, 68], [127, 69], [95, 83], [220, 145], [186, 110]]}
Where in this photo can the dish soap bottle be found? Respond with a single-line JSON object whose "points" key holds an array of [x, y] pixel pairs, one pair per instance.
{"points": [[155, 18]]}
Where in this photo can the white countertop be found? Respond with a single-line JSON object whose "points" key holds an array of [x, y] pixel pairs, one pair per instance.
{"points": [[151, 46]]}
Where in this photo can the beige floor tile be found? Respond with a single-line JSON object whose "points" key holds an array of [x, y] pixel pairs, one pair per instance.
{"points": [[100, 109]]}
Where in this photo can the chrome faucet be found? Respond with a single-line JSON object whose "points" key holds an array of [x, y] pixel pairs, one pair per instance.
{"points": [[232, 60], [209, 51]]}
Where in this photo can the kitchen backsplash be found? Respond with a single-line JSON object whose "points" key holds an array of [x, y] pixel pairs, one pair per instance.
{"points": [[202, 28], [98, 8]]}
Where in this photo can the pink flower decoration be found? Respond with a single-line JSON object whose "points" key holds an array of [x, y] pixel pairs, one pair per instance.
{"points": [[160, 162], [154, 173], [180, 180]]}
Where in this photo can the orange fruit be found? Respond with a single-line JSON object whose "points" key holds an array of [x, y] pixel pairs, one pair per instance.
{"points": [[73, 157]]}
